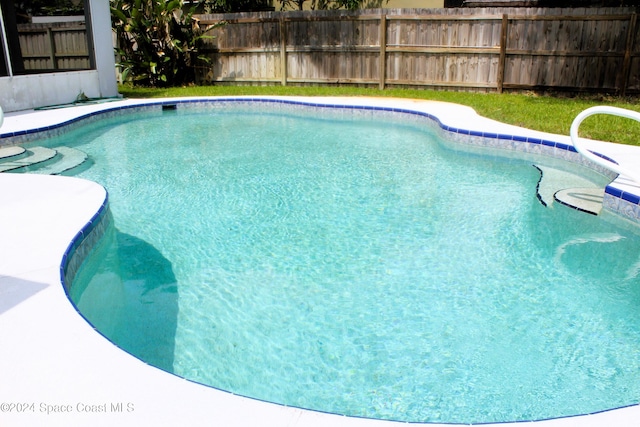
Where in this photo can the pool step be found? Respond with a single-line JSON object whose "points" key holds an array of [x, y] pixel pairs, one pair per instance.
{"points": [[569, 189], [36, 155], [587, 200], [66, 159], [42, 160], [11, 152]]}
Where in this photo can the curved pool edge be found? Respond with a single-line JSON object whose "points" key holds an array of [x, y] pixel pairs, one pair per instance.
{"points": [[56, 369], [457, 122], [51, 358]]}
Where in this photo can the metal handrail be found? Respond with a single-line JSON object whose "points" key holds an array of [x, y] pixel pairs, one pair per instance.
{"points": [[1, 116], [575, 139]]}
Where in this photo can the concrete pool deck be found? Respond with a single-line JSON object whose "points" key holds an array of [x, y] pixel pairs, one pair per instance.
{"points": [[56, 370]]}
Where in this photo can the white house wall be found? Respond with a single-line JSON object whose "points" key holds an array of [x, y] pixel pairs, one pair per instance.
{"points": [[39, 90]]}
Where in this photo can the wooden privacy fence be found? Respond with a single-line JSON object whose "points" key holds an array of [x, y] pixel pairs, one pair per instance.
{"points": [[487, 49], [54, 46]]}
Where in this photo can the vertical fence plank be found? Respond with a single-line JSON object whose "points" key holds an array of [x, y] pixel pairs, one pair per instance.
{"points": [[624, 81], [382, 63], [52, 49], [283, 50], [503, 51]]}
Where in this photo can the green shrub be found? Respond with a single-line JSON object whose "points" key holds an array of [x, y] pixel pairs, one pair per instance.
{"points": [[158, 41]]}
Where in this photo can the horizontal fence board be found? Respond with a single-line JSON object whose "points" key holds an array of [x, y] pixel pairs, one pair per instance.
{"points": [[595, 49], [443, 50], [590, 54]]}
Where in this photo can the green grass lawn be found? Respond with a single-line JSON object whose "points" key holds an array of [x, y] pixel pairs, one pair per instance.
{"points": [[544, 113]]}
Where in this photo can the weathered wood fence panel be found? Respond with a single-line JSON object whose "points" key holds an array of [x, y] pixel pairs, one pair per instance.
{"points": [[585, 52], [461, 51], [344, 50], [54, 46], [489, 49]]}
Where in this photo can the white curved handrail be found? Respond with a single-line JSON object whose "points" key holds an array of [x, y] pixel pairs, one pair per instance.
{"points": [[575, 139]]}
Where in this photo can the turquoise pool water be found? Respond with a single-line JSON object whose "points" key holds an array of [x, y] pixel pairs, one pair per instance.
{"points": [[357, 266]]}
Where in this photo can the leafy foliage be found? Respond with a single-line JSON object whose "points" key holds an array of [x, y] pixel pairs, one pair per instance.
{"points": [[157, 41], [232, 6]]}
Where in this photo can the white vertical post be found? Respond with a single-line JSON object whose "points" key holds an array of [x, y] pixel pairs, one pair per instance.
{"points": [[5, 47], [105, 62]]}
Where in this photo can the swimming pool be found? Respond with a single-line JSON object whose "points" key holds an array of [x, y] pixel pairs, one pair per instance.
{"points": [[529, 181]]}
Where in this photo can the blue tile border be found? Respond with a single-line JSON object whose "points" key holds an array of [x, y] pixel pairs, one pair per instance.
{"points": [[78, 119], [486, 139], [629, 197], [83, 243]]}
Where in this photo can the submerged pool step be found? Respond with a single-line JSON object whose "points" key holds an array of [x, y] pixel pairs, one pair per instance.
{"points": [[12, 153], [42, 160], [569, 189], [587, 200], [35, 155], [66, 159]]}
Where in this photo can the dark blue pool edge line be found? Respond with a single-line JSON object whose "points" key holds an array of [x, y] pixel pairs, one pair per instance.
{"points": [[612, 191], [85, 240], [442, 126]]}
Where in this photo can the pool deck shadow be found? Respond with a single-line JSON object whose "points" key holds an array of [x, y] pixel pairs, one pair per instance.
{"points": [[56, 370], [14, 291]]}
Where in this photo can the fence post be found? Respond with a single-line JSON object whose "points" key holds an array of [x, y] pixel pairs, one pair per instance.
{"points": [[503, 51], [382, 64], [626, 64], [283, 49], [52, 49]]}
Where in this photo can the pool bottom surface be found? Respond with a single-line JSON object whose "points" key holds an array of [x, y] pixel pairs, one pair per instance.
{"points": [[387, 278]]}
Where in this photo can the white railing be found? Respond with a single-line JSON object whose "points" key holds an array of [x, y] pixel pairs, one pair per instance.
{"points": [[1, 117], [575, 139]]}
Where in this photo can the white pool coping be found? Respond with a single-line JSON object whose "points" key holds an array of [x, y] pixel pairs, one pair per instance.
{"points": [[49, 355]]}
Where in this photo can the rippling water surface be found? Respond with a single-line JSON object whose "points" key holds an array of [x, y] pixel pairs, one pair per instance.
{"points": [[363, 267]]}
